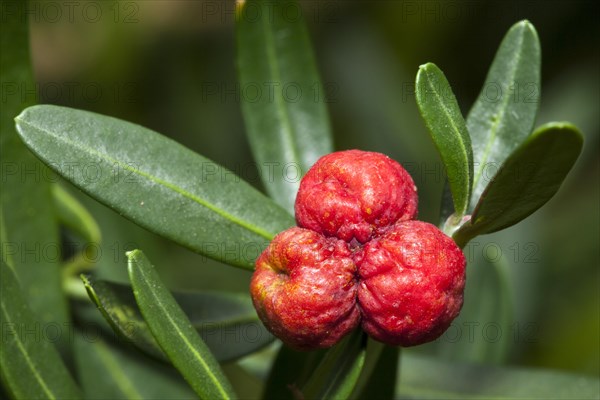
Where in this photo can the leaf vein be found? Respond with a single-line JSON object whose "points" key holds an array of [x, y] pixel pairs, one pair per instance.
{"points": [[181, 334], [30, 364], [156, 180]]}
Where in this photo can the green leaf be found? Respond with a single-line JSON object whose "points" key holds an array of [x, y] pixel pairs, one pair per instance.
{"points": [[174, 332], [429, 378], [155, 182], [226, 322], [72, 214], [338, 373], [283, 100], [6, 256], [526, 181], [284, 382], [447, 128], [33, 240], [243, 381], [377, 379], [29, 363], [107, 371], [504, 113]]}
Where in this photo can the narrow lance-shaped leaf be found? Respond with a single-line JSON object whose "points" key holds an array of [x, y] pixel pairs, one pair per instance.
{"points": [[226, 322], [174, 332], [526, 181], [244, 381], [73, 215], [108, 371], [155, 182], [377, 379], [30, 366], [25, 193], [504, 113], [284, 382], [445, 123], [283, 100], [338, 373]]}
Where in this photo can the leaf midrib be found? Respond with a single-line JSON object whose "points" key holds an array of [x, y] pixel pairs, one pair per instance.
{"points": [[154, 179], [499, 115], [158, 302], [282, 111], [122, 382], [456, 129], [30, 364]]}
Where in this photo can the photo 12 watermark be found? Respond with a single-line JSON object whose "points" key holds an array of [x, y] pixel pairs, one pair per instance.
{"points": [[89, 92], [492, 92], [491, 332], [270, 92], [67, 11]]}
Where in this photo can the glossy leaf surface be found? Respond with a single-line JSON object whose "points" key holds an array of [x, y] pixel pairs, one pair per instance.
{"points": [[526, 181], [155, 182], [447, 128], [174, 332]]}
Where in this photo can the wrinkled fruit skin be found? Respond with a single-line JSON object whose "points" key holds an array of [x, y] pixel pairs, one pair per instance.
{"points": [[355, 194], [411, 284], [358, 257], [304, 289]]}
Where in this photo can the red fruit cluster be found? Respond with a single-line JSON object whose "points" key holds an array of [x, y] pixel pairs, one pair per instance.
{"points": [[358, 257]]}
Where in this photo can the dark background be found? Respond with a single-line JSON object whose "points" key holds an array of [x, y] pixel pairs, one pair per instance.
{"points": [[170, 66]]}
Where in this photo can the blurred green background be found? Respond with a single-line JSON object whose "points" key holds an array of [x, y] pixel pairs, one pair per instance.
{"points": [[170, 66]]}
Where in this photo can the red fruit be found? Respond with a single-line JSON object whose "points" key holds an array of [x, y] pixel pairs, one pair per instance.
{"points": [[411, 284], [304, 289], [355, 195]]}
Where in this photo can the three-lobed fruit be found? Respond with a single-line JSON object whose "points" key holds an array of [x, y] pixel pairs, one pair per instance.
{"points": [[358, 256]]}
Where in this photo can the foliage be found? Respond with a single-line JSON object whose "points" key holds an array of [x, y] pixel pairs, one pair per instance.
{"points": [[176, 193]]}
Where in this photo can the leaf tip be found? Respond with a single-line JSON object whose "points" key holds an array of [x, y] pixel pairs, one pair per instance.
{"points": [[85, 279], [135, 260], [526, 27], [239, 5], [19, 119], [23, 117], [90, 289], [133, 254], [427, 66], [525, 23], [562, 127]]}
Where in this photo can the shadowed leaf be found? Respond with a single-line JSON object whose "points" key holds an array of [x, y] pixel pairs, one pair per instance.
{"points": [[283, 101]]}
